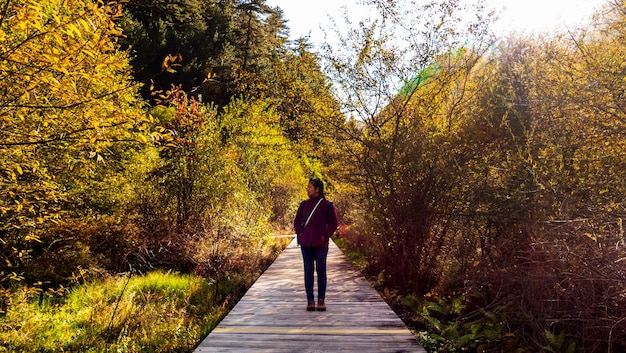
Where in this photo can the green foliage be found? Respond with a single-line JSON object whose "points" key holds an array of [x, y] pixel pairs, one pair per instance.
{"points": [[253, 134], [156, 283], [455, 324], [234, 50], [227, 47], [558, 343], [218, 185], [453, 328], [158, 312], [352, 253]]}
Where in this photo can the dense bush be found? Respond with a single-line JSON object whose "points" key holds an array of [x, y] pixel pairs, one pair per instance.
{"points": [[493, 191]]}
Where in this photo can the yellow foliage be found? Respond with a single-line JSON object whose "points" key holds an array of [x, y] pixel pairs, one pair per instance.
{"points": [[67, 93]]}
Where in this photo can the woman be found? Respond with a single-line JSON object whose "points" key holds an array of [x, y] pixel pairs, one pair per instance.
{"points": [[316, 221]]}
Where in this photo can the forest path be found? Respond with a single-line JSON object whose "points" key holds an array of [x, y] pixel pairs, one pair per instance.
{"points": [[271, 317]]}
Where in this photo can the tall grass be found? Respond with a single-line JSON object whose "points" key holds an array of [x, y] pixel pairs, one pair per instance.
{"points": [[157, 312]]}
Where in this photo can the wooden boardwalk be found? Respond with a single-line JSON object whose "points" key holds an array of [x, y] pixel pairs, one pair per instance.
{"points": [[271, 317]]}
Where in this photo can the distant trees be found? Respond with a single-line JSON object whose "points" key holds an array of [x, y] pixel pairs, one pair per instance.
{"points": [[218, 182], [224, 50], [196, 32], [226, 47]]}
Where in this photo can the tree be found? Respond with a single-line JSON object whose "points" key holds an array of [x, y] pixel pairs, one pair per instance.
{"points": [[198, 34], [225, 48], [67, 98], [404, 87]]}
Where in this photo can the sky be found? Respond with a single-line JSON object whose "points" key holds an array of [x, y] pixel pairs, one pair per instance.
{"points": [[306, 17]]}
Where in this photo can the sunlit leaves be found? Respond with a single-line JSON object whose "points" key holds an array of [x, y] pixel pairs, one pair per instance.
{"points": [[67, 96], [512, 160]]}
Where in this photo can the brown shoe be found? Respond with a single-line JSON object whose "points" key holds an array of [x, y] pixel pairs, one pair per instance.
{"points": [[321, 306], [310, 306]]}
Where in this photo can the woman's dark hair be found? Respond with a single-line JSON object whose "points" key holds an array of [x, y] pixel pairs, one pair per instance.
{"points": [[317, 183]]}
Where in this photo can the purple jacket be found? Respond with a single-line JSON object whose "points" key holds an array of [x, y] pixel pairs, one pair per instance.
{"points": [[322, 225]]}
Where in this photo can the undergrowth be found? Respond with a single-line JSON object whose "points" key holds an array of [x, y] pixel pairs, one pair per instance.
{"points": [[157, 312], [441, 325]]}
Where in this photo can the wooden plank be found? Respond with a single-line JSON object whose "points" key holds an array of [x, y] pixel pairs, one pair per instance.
{"points": [[271, 317]]}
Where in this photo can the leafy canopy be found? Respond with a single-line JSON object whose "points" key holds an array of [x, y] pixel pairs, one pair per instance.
{"points": [[67, 96]]}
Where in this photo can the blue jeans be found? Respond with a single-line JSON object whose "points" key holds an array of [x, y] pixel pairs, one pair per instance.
{"points": [[314, 257]]}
